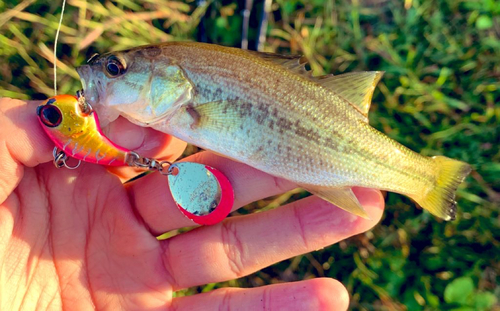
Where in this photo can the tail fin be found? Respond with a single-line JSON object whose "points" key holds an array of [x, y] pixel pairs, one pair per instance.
{"points": [[440, 200]]}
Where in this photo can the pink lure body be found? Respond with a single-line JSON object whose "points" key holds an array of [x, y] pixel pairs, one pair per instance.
{"points": [[77, 133]]}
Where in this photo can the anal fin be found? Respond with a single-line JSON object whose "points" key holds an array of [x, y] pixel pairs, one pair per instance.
{"points": [[342, 197]]}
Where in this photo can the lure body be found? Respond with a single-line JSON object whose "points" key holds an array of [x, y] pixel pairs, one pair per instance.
{"points": [[78, 133]]}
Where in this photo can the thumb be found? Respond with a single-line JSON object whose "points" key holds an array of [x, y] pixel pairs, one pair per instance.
{"points": [[144, 140], [22, 142], [147, 142]]}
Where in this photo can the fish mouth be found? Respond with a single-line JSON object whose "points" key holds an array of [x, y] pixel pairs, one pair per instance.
{"points": [[84, 73], [88, 85]]}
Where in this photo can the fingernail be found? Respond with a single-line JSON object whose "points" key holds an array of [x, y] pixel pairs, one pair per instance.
{"points": [[376, 196], [371, 197]]}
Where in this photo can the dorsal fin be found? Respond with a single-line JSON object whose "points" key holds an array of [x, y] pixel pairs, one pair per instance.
{"points": [[355, 87], [295, 63], [287, 61]]}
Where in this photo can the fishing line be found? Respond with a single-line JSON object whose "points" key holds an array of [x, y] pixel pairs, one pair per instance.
{"points": [[55, 46]]}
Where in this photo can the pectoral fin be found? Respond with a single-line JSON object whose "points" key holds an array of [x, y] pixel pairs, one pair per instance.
{"points": [[342, 197], [217, 115]]}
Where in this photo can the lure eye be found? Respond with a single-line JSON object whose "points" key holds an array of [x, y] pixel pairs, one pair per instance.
{"points": [[50, 115], [114, 67]]}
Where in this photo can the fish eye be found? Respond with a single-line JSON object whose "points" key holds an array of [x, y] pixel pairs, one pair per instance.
{"points": [[50, 115], [114, 67]]}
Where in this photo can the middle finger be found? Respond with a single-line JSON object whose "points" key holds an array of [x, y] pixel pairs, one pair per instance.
{"points": [[242, 245], [151, 198]]}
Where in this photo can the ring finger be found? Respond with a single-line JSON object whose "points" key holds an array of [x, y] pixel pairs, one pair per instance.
{"points": [[242, 245]]}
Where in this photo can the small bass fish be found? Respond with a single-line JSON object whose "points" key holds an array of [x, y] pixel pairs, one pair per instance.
{"points": [[267, 111]]}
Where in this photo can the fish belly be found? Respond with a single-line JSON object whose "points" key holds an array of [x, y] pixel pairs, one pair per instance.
{"points": [[330, 151]]}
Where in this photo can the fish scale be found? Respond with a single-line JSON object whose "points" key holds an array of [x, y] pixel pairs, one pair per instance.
{"points": [[267, 111]]}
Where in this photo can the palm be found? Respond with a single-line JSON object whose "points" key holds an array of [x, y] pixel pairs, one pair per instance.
{"points": [[81, 238], [91, 244]]}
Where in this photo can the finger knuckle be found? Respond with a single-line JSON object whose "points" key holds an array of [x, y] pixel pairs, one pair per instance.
{"points": [[233, 248]]}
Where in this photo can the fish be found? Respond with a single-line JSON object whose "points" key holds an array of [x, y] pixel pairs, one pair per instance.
{"points": [[267, 111], [74, 128]]}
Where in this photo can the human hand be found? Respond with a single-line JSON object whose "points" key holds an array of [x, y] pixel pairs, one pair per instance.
{"points": [[80, 239]]}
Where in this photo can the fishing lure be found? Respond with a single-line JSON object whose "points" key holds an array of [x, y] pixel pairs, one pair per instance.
{"points": [[202, 193]]}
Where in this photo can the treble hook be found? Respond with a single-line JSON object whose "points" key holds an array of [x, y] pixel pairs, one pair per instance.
{"points": [[60, 158], [85, 108]]}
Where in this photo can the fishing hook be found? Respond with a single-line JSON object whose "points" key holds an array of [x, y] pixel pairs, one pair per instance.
{"points": [[61, 158]]}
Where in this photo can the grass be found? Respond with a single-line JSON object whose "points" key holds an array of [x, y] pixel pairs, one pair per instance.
{"points": [[439, 95]]}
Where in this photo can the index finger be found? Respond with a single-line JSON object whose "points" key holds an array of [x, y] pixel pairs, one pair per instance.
{"points": [[24, 143], [145, 141]]}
